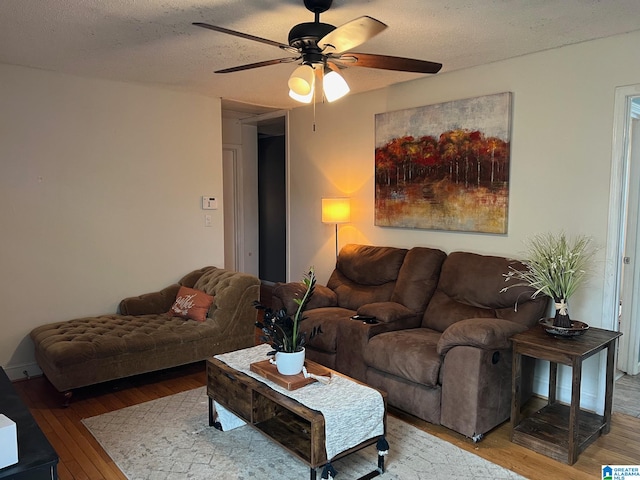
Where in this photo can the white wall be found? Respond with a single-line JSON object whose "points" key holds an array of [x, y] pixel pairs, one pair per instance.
{"points": [[560, 163], [100, 187]]}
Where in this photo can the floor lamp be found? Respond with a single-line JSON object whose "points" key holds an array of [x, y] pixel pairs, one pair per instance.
{"points": [[336, 210]]}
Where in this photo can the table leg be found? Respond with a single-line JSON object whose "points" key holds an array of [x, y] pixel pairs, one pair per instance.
{"points": [[608, 394], [210, 412], [574, 413], [516, 390], [380, 463], [312, 474], [553, 382]]}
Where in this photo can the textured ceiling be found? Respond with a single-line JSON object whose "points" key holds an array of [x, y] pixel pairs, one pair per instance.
{"points": [[153, 41]]}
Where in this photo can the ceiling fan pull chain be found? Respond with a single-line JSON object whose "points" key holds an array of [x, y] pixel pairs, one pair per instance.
{"points": [[314, 109]]}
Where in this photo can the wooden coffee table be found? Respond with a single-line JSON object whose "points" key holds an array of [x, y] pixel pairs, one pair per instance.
{"points": [[300, 430]]}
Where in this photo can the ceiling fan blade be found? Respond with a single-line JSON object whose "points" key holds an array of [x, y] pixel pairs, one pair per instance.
{"points": [[246, 36], [266, 63], [351, 34], [387, 62]]}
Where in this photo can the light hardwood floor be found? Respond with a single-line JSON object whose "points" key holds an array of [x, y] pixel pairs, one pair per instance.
{"points": [[82, 458], [626, 395]]}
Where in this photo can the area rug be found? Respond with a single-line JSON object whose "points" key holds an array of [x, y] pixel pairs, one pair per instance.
{"points": [[169, 439]]}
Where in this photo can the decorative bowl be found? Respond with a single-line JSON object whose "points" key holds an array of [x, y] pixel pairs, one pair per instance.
{"points": [[577, 328]]}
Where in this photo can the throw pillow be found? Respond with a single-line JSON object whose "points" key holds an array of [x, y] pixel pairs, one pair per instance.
{"points": [[191, 303]]}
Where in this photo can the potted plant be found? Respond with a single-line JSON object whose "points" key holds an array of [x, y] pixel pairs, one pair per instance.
{"points": [[555, 266], [282, 331]]}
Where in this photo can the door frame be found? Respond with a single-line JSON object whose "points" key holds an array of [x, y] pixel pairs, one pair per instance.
{"points": [[616, 231], [232, 207], [629, 344], [251, 161]]}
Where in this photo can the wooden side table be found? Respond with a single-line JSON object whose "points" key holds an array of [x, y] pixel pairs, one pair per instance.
{"points": [[561, 431]]}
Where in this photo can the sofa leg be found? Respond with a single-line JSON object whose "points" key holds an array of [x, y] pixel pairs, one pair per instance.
{"points": [[67, 398]]}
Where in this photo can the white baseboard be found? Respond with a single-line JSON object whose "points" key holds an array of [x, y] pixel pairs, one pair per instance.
{"points": [[22, 371], [563, 394]]}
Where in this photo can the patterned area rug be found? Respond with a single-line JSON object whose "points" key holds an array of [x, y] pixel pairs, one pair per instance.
{"points": [[169, 438]]}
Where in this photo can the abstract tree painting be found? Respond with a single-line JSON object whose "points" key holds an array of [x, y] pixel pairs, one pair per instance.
{"points": [[445, 166]]}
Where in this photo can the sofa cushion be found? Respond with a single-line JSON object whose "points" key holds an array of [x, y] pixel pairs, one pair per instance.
{"points": [[190, 303], [287, 292], [76, 341], [229, 289], [418, 278], [148, 303], [486, 333], [409, 354], [190, 279], [470, 286], [329, 318], [443, 311], [365, 274]]}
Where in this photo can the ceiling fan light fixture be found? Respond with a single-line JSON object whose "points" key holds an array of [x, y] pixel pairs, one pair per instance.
{"points": [[301, 98], [334, 86], [319, 44], [301, 80]]}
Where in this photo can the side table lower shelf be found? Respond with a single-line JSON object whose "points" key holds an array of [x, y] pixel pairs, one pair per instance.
{"points": [[547, 431]]}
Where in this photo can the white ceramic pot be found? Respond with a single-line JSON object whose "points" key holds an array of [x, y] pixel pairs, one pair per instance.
{"points": [[290, 363]]}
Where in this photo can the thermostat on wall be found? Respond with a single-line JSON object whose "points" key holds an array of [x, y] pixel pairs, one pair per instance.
{"points": [[209, 203]]}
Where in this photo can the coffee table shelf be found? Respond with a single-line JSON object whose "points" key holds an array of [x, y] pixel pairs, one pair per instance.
{"points": [[298, 430]]}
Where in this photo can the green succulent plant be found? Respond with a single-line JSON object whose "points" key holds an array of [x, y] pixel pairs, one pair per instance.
{"points": [[280, 329]]}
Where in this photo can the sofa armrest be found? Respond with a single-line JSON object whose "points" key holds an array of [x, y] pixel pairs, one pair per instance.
{"points": [[485, 333], [284, 293], [148, 303], [386, 312]]}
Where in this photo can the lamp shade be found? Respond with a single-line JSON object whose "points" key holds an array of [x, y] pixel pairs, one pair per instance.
{"points": [[334, 86], [302, 79], [301, 98], [336, 210]]}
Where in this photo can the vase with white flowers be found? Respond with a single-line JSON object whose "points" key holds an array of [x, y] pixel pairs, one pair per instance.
{"points": [[555, 266], [282, 331]]}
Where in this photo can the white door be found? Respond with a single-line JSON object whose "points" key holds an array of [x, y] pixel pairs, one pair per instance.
{"points": [[621, 306], [230, 207], [629, 351]]}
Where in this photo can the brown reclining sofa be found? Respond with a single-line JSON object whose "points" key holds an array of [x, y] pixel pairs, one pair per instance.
{"points": [[440, 343]]}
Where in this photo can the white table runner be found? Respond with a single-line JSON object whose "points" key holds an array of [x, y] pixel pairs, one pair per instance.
{"points": [[352, 412]]}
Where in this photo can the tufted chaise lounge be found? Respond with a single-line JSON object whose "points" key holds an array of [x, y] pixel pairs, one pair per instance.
{"points": [[143, 337]]}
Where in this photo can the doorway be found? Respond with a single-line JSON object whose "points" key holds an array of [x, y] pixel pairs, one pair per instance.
{"points": [[622, 269], [629, 350], [272, 202], [264, 241]]}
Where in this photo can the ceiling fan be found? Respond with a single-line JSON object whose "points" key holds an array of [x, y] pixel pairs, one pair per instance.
{"points": [[324, 49]]}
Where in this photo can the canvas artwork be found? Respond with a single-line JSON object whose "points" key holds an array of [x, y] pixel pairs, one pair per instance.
{"points": [[445, 166]]}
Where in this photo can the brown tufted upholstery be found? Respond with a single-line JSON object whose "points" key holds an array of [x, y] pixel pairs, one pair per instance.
{"points": [[91, 350]]}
